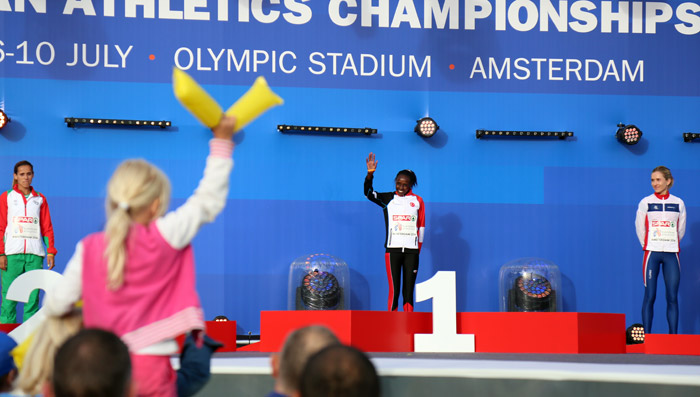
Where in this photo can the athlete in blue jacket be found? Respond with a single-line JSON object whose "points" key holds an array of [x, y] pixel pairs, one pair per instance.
{"points": [[660, 225]]}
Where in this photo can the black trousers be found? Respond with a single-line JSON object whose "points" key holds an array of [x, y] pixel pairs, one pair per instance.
{"points": [[401, 266]]}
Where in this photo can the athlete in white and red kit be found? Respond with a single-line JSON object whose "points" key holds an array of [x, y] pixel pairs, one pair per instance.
{"points": [[660, 225], [404, 217]]}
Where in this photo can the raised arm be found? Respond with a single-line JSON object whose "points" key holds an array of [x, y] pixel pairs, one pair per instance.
{"points": [[368, 189], [381, 199], [371, 164], [180, 226]]}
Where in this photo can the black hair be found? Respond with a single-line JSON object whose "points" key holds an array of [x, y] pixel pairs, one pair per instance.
{"points": [[339, 371], [93, 362], [410, 175]]}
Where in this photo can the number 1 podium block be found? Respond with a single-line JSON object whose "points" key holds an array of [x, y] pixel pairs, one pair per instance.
{"points": [[381, 331], [446, 331]]}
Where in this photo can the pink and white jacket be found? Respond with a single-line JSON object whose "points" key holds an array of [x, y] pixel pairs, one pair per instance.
{"points": [[158, 300]]}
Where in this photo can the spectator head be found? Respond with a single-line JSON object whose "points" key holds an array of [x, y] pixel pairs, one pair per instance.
{"points": [[298, 347], [339, 371], [94, 362]]}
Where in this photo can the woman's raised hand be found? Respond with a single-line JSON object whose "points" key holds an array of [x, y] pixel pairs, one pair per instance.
{"points": [[371, 163]]}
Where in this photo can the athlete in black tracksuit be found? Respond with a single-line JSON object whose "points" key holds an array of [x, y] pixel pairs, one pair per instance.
{"points": [[404, 217]]}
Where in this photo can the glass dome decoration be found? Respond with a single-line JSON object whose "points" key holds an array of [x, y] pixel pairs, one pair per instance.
{"points": [[530, 285], [319, 282]]}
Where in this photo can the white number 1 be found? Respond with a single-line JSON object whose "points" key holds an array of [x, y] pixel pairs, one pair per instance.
{"points": [[444, 339]]}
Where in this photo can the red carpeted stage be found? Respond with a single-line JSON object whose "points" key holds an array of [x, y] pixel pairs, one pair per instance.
{"points": [[579, 354]]}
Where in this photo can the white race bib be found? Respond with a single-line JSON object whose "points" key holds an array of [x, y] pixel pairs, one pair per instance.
{"points": [[26, 227], [404, 225], [663, 232]]}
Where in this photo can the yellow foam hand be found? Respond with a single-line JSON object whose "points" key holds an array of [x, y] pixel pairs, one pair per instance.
{"points": [[253, 103], [195, 99], [247, 108]]}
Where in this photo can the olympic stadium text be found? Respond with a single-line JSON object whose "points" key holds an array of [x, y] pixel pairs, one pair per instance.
{"points": [[333, 63]]}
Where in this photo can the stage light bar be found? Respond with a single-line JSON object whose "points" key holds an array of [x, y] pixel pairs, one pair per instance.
{"points": [[628, 134], [635, 334], [73, 121], [3, 119], [426, 127], [690, 136], [523, 134], [325, 130]]}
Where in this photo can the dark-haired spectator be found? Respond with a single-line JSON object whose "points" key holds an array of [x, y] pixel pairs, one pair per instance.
{"points": [[93, 362], [339, 371], [298, 347]]}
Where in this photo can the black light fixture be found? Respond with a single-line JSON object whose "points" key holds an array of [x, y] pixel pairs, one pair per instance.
{"points": [[320, 291], [532, 292], [426, 127], [523, 134], [95, 121], [635, 334], [3, 119], [628, 134], [690, 136], [220, 318], [310, 129]]}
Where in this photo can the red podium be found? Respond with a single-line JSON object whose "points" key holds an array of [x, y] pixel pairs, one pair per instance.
{"points": [[668, 344], [222, 331], [545, 332], [370, 331], [374, 331], [7, 328]]}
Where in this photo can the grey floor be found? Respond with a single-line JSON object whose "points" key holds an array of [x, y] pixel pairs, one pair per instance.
{"points": [[489, 374]]}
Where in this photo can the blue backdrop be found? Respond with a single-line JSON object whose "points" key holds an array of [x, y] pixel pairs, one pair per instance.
{"points": [[524, 65]]}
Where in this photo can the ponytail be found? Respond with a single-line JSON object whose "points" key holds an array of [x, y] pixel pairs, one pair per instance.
{"points": [[116, 230], [133, 187]]}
